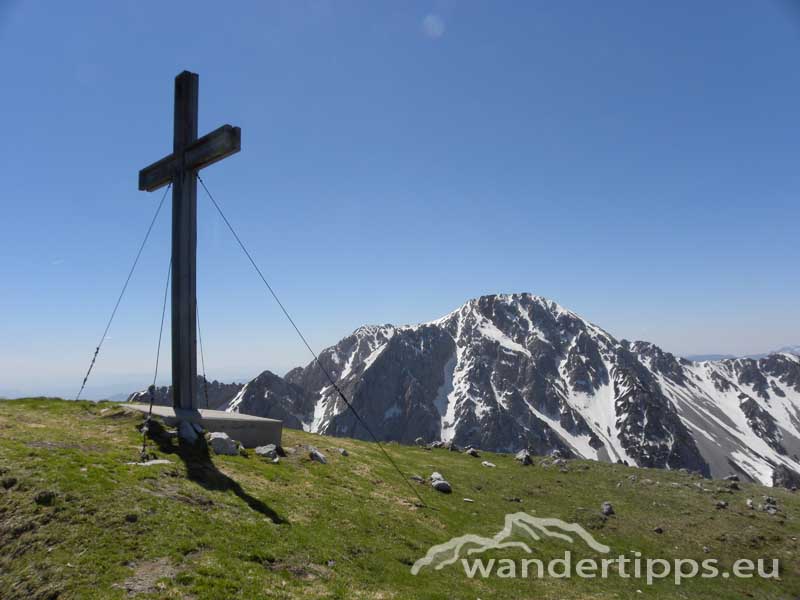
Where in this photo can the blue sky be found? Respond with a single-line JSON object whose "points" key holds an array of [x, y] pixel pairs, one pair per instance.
{"points": [[636, 162]]}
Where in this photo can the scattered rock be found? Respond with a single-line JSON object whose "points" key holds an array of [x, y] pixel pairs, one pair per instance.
{"points": [[439, 483], [150, 463], [417, 478], [733, 486], [221, 443], [607, 509], [419, 441], [750, 503], [343, 452], [8, 482], [276, 460], [452, 446], [486, 463], [472, 452], [45, 498], [770, 505], [438, 444], [316, 455], [721, 504], [524, 457], [468, 500], [706, 549], [731, 478], [513, 499], [269, 451], [658, 530], [131, 518]]}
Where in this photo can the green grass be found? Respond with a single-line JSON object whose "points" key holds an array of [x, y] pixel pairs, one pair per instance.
{"points": [[239, 527]]}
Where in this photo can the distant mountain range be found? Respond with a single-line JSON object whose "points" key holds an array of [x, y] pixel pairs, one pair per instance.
{"points": [[703, 357], [505, 372]]}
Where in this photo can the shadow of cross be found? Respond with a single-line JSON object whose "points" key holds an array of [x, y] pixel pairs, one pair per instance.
{"points": [[200, 468], [189, 155]]}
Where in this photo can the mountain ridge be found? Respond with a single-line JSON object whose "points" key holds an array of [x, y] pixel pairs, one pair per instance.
{"points": [[509, 371]]}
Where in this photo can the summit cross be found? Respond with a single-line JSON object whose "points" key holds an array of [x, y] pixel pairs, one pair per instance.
{"points": [[189, 155]]}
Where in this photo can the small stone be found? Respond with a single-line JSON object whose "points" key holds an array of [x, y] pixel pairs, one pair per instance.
{"points": [[731, 478], [486, 463], [343, 452], [721, 504], [607, 509], [269, 451], [8, 482], [417, 478], [513, 499], [451, 446], [131, 518], [524, 457], [440, 485], [419, 441], [221, 443], [468, 500], [706, 549], [436, 475], [151, 463], [316, 455], [658, 530], [276, 460], [472, 452], [45, 498], [438, 444]]}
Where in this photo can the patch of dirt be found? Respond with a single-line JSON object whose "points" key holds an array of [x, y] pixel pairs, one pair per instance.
{"points": [[305, 572], [146, 575]]}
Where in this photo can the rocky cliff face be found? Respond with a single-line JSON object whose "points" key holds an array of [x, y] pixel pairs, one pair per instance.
{"points": [[510, 371]]}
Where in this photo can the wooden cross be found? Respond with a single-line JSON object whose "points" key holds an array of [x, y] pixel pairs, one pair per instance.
{"points": [[189, 155]]}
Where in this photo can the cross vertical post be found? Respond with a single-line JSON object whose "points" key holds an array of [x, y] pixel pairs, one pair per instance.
{"points": [[189, 155], [184, 246]]}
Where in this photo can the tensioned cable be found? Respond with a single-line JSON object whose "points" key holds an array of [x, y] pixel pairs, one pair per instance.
{"points": [[307, 345], [146, 426], [122, 293], [202, 357]]}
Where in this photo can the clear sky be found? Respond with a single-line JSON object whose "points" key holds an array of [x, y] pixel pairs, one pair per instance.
{"points": [[635, 161]]}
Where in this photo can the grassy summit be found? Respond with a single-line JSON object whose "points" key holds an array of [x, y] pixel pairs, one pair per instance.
{"points": [[78, 521]]}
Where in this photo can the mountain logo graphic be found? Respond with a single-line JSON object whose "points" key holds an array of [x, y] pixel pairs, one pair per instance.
{"points": [[517, 525]]}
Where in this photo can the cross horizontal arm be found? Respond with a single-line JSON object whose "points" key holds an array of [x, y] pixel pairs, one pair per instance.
{"points": [[205, 151]]}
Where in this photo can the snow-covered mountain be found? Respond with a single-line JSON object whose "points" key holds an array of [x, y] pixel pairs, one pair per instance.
{"points": [[510, 371]]}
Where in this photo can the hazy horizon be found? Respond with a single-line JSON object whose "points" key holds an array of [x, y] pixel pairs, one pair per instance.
{"points": [[636, 163]]}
